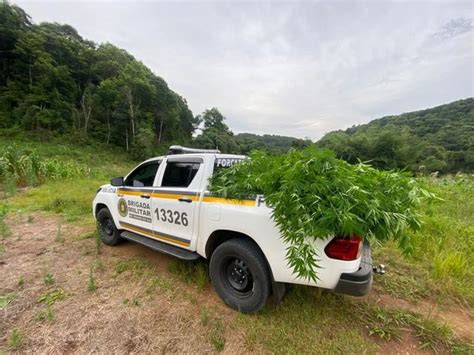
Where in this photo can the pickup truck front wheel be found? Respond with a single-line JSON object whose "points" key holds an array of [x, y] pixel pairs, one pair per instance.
{"points": [[109, 234], [240, 275]]}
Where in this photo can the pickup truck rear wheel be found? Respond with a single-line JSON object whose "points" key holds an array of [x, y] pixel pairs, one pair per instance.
{"points": [[240, 275], [109, 234]]}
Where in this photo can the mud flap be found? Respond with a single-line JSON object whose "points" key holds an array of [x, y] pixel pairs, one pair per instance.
{"points": [[278, 291]]}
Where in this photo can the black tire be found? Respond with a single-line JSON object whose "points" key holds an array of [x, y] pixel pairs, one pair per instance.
{"points": [[109, 234], [239, 273]]}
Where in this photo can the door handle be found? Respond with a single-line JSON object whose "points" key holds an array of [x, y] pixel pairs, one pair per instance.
{"points": [[184, 199], [145, 196]]}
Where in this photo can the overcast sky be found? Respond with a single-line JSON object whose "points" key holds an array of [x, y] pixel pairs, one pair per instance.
{"points": [[290, 68]]}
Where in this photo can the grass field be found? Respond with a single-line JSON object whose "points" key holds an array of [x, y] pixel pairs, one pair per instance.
{"points": [[424, 303]]}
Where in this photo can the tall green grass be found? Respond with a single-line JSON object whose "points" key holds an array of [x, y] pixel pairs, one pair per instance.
{"points": [[446, 241], [27, 168], [442, 263], [308, 321], [99, 158], [65, 177]]}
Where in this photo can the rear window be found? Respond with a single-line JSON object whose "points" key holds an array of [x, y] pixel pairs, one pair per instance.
{"points": [[179, 174]]}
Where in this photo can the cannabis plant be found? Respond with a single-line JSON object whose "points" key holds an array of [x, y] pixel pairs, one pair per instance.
{"points": [[315, 195]]}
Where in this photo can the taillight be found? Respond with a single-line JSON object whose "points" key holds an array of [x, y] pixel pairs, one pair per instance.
{"points": [[344, 248]]}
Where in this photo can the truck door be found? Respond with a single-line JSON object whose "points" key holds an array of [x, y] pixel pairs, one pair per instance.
{"points": [[134, 199], [176, 200]]}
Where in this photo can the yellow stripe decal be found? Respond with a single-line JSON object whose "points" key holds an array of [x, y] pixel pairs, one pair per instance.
{"points": [[211, 199], [157, 194], [250, 203], [132, 193], [174, 197], [162, 237]]}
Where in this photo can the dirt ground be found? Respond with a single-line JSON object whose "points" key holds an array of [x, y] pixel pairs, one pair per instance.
{"points": [[109, 319], [127, 312], [461, 320]]}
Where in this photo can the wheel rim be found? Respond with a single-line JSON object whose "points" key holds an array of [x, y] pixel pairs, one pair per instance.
{"points": [[107, 227], [238, 275]]}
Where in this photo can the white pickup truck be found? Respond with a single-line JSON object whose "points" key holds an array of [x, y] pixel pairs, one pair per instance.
{"points": [[164, 204]]}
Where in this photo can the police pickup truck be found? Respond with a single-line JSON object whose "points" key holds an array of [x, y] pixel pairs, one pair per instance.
{"points": [[164, 204]]}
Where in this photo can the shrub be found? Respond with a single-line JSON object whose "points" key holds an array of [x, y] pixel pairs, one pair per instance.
{"points": [[141, 148], [315, 195], [26, 168]]}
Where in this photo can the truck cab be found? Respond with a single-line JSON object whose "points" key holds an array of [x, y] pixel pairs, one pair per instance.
{"points": [[164, 203]]}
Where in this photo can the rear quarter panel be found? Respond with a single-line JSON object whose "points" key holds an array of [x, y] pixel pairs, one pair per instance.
{"points": [[256, 222]]}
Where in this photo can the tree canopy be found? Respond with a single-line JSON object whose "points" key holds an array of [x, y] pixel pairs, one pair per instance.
{"points": [[437, 139], [216, 134], [53, 81]]}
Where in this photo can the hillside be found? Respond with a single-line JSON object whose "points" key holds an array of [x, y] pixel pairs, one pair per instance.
{"points": [[437, 139], [270, 142], [55, 82]]}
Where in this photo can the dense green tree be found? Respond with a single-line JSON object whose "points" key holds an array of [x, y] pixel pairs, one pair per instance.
{"points": [[438, 139], [13, 22], [53, 81], [213, 119], [215, 133], [269, 142]]}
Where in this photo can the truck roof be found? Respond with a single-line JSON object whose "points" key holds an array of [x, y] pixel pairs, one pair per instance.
{"points": [[177, 150]]}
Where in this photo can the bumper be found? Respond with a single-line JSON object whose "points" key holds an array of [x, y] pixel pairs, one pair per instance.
{"points": [[358, 283]]}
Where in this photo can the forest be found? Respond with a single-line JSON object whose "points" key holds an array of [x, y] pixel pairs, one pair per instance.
{"points": [[55, 83], [437, 139]]}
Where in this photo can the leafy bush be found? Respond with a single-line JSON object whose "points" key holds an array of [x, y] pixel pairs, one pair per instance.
{"points": [[141, 147], [437, 139], [315, 195], [27, 168]]}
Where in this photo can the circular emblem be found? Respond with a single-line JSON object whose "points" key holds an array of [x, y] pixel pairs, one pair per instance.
{"points": [[122, 207]]}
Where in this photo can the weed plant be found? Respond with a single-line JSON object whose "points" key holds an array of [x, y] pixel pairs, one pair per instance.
{"points": [[16, 338], [51, 297], [314, 195], [26, 168]]}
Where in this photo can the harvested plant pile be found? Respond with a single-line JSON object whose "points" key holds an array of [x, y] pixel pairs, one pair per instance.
{"points": [[315, 195]]}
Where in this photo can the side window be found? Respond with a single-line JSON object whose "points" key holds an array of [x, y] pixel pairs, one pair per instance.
{"points": [[179, 174], [144, 175]]}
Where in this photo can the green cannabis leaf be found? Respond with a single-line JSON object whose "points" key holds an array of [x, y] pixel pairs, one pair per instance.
{"points": [[315, 195]]}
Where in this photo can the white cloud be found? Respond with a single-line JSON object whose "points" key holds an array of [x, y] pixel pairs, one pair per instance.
{"points": [[292, 68]]}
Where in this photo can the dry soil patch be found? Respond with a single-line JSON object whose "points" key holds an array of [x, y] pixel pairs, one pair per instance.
{"points": [[124, 314]]}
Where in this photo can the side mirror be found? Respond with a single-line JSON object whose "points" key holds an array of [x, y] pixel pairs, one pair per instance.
{"points": [[118, 181]]}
